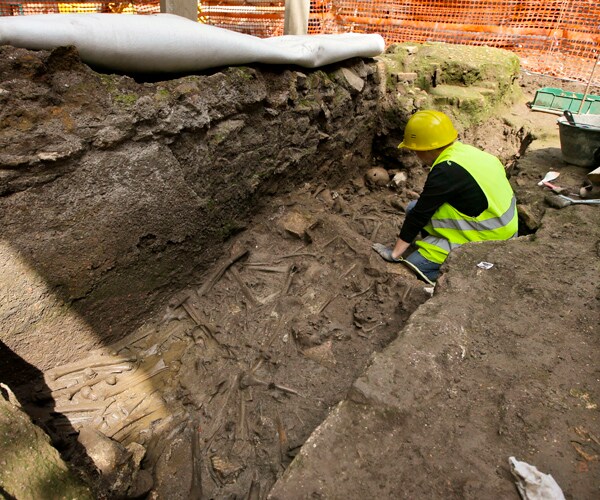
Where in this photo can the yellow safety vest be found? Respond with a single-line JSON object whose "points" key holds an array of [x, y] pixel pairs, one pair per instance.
{"points": [[449, 228]]}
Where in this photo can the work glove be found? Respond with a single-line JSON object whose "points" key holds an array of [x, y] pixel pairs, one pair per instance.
{"points": [[385, 252]]}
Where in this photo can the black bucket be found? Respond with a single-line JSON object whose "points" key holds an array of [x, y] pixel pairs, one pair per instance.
{"points": [[580, 142]]}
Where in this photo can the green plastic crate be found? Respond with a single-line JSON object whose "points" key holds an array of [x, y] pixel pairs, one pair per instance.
{"points": [[557, 101]]}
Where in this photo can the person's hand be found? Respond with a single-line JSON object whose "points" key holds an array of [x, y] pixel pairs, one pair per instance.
{"points": [[385, 252]]}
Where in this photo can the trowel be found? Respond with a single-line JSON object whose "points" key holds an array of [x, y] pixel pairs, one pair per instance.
{"points": [[571, 201], [550, 176], [562, 201]]}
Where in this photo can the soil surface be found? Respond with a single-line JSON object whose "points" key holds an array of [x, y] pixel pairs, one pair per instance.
{"points": [[500, 362], [226, 384]]}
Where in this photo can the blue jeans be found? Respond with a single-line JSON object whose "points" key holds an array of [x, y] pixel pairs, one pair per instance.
{"points": [[427, 267]]}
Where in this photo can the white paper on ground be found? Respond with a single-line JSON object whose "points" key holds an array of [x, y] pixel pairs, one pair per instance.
{"points": [[533, 484], [165, 43]]}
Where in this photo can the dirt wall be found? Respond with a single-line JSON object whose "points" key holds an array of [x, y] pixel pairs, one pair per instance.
{"points": [[107, 182]]}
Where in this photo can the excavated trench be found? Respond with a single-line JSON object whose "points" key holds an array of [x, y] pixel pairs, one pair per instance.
{"points": [[221, 389], [226, 384], [265, 312]]}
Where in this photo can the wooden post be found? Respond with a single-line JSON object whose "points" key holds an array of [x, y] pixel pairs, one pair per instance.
{"points": [[183, 8], [296, 17], [587, 89]]}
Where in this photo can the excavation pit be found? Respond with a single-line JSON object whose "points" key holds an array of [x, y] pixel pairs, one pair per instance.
{"points": [[214, 324]]}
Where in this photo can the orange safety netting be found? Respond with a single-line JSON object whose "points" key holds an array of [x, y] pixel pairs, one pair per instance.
{"points": [[554, 37], [254, 17], [19, 8]]}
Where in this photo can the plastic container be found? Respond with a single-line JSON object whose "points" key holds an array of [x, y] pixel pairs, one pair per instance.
{"points": [[580, 143], [557, 100]]}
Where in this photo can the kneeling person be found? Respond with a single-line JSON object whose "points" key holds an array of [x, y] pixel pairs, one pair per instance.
{"points": [[466, 197]]}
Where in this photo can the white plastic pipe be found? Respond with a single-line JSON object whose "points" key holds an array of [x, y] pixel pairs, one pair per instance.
{"points": [[162, 43]]}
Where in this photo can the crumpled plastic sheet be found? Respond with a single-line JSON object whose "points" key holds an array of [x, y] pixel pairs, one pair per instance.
{"points": [[533, 484], [163, 43]]}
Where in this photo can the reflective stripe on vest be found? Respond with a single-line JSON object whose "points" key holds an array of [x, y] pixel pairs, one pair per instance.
{"points": [[473, 225], [442, 243], [449, 228]]}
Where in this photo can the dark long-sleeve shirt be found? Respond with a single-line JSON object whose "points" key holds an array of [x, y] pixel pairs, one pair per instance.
{"points": [[448, 183]]}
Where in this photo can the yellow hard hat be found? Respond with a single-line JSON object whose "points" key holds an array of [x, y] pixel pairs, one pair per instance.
{"points": [[427, 130]]}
